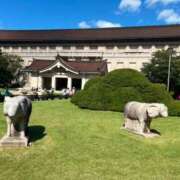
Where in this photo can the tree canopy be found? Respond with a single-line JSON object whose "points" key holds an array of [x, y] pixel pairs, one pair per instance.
{"points": [[157, 69], [10, 66]]}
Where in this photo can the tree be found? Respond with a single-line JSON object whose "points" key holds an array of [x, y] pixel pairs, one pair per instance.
{"points": [[10, 66], [157, 69]]}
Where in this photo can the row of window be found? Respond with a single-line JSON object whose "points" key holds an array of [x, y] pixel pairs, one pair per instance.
{"points": [[93, 47], [123, 62], [129, 63]]}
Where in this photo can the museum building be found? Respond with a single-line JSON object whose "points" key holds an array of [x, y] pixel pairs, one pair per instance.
{"points": [[70, 57]]}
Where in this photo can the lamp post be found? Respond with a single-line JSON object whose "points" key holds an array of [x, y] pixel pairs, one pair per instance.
{"points": [[170, 51]]}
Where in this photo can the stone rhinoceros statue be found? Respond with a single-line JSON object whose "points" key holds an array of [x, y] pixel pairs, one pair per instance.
{"points": [[17, 111], [138, 115]]}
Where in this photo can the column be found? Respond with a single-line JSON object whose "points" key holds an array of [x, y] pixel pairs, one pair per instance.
{"points": [[40, 82], [84, 80], [53, 83], [69, 83]]}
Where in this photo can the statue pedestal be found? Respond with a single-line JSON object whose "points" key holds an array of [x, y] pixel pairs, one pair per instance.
{"points": [[134, 127], [13, 142]]}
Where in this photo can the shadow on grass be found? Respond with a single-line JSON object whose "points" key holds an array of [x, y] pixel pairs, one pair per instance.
{"points": [[155, 131], [36, 132]]}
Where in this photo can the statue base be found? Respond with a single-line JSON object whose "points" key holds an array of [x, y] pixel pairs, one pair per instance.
{"points": [[11, 142], [134, 127]]}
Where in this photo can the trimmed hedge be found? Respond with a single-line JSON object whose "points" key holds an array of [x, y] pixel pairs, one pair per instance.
{"points": [[114, 90]]}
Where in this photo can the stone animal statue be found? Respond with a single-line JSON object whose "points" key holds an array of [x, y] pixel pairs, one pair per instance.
{"points": [[17, 111], [138, 115]]}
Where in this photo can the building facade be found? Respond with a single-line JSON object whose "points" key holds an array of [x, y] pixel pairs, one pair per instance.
{"points": [[61, 73], [118, 47]]}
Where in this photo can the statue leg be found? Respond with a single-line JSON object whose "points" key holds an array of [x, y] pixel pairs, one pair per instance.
{"points": [[22, 130], [8, 120], [13, 131], [148, 126], [141, 126], [125, 121]]}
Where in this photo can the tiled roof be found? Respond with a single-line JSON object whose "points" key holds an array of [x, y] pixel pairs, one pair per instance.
{"points": [[170, 32], [99, 67], [37, 65]]}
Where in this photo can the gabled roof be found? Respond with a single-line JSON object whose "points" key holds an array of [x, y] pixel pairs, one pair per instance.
{"points": [[78, 67], [170, 32], [38, 64]]}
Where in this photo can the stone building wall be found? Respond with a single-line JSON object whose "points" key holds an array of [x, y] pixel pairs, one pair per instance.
{"points": [[117, 55]]}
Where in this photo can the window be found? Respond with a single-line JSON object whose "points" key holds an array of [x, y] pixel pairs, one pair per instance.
{"points": [[24, 48], [147, 47], [66, 47], [120, 62], [108, 62], [43, 48], [121, 47], [52, 47], [79, 47], [6, 47], [15, 47], [132, 62], [110, 47], [33, 47], [133, 47], [160, 46], [93, 47], [173, 46]]}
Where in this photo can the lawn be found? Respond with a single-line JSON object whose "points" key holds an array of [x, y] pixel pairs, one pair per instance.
{"points": [[74, 144]]}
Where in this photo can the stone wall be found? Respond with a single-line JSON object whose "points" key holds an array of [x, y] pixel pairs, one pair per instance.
{"points": [[117, 55]]}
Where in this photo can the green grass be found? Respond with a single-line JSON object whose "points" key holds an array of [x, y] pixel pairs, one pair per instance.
{"points": [[71, 143]]}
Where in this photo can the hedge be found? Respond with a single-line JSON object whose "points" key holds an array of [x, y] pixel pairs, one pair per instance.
{"points": [[118, 87]]}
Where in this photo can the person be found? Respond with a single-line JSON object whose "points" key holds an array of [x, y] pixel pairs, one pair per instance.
{"points": [[66, 93], [72, 92]]}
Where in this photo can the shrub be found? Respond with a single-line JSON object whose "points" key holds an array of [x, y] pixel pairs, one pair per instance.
{"points": [[114, 90], [95, 80], [1, 98], [174, 108]]}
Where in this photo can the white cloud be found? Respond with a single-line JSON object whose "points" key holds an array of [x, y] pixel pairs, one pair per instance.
{"points": [[106, 24], [84, 25], [130, 5], [169, 16], [164, 2], [98, 24]]}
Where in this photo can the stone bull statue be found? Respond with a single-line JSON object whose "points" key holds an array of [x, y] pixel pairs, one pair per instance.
{"points": [[138, 116], [17, 111]]}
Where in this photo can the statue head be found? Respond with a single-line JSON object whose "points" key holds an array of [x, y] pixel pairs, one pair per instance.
{"points": [[11, 107], [156, 110]]}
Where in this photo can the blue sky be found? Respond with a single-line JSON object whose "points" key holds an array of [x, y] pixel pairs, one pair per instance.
{"points": [[55, 14]]}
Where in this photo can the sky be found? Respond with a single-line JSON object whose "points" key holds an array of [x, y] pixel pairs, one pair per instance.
{"points": [[72, 14]]}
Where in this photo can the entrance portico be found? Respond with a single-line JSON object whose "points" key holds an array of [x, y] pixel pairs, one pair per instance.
{"points": [[61, 74]]}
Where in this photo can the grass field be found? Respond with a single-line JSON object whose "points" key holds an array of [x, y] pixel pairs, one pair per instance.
{"points": [[74, 144]]}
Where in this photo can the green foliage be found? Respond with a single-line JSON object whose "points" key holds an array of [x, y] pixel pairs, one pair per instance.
{"points": [[117, 88], [95, 80], [157, 69], [174, 108], [10, 66]]}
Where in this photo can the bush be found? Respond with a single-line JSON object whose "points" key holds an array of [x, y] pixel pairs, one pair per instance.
{"points": [[1, 98], [114, 90], [174, 108], [95, 80]]}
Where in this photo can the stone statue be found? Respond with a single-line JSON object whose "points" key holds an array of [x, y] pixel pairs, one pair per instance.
{"points": [[138, 116], [17, 111]]}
